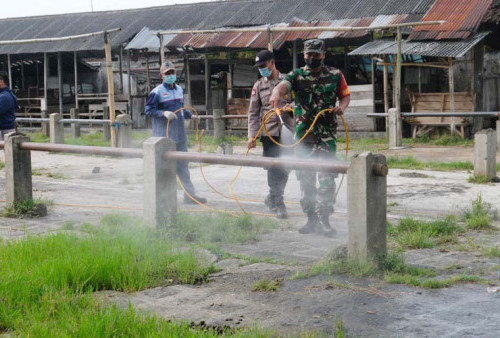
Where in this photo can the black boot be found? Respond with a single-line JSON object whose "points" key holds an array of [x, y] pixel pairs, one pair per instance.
{"points": [[324, 226], [270, 203], [281, 211], [188, 200], [312, 223]]}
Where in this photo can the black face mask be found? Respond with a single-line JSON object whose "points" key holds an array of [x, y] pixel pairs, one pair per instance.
{"points": [[314, 63]]}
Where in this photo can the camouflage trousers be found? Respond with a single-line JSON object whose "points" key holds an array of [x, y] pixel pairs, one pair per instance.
{"points": [[317, 199]]}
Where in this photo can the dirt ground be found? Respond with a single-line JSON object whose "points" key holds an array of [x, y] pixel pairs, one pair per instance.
{"points": [[86, 188]]}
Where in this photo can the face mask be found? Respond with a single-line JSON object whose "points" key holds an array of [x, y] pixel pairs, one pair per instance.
{"points": [[265, 72], [314, 63], [170, 79]]}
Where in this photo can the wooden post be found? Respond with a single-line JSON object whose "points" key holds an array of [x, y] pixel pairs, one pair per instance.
{"points": [[111, 86], [478, 64], [294, 55], [451, 81], [22, 74], [9, 68], [45, 112], [37, 77], [229, 80], [121, 69], [386, 94], [60, 86], [129, 84], [148, 76], [420, 79], [162, 49], [188, 76], [75, 67], [269, 39], [208, 91], [398, 82]]}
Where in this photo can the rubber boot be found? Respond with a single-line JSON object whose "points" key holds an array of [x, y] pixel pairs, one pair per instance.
{"points": [[281, 211], [200, 199], [270, 203], [312, 223], [324, 226]]}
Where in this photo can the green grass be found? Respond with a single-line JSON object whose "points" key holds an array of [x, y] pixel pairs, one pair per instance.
{"points": [[432, 283], [47, 283], [444, 140], [91, 139], [478, 216], [2, 165], [491, 252], [38, 137], [478, 179], [27, 208], [218, 228], [266, 285], [412, 233], [410, 162], [44, 172]]}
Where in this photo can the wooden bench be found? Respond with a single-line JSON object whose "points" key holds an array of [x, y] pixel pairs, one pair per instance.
{"points": [[438, 102]]}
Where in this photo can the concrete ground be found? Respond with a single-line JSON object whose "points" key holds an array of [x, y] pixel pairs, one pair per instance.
{"points": [[86, 188]]}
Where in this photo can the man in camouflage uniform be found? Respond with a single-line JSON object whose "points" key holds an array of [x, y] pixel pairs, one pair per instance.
{"points": [[259, 106], [316, 87]]}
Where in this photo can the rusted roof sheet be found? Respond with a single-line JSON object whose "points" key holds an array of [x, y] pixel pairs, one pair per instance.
{"points": [[462, 17], [450, 48]]}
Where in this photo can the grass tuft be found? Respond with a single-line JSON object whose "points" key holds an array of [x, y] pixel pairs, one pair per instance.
{"points": [[27, 208], [491, 252], [266, 285], [410, 162], [478, 216], [478, 179]]}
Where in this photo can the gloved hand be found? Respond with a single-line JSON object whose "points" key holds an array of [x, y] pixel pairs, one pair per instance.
{"points": [[251, 143], [169, 115], [195, 118]]}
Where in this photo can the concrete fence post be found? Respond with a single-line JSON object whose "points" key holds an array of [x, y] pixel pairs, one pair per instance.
{"points": [[44, 114], [485, 153], [498, 134], [17, 169], [367, 208], [56, 129], [395, 129], [219, 123], [75, 127], [160, 186], [106, 128], [124, 134]]}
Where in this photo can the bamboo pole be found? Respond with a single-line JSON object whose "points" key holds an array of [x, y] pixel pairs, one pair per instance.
{"points": [[452, 94], [294, 54], [62, 38], [129, 84], [111, 87], [162, 50], [270, 46], [22, 74], [45, 76], [386, 85], [148, 76], [75, 68], [415, 64], [121, 69], [300, 29]]}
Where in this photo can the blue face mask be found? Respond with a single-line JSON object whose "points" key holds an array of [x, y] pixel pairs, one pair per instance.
{"points": [[265, 72], [170, 79]]}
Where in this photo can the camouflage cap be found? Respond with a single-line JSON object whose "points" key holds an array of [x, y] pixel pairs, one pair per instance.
{"points": [[314, 46], [166, 66]]}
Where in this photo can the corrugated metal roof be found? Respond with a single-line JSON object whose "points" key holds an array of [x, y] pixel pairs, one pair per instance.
{"points": [[217, 14], [148, 39], [462, 18], [454, 48]]}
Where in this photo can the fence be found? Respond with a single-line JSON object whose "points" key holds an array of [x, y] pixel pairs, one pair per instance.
{"points": [[366, 182]]}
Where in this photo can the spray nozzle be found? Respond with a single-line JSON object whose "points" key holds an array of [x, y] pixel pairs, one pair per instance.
{"points": [[278, 112]]}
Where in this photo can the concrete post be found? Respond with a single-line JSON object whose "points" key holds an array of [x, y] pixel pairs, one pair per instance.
{"points": [[367, 204], [75, 127], [498, 134], [124, 134], [106, 128], [44, 114], [219, 123], [485, 153], [160, 186], [56, 129], [17, 169], [395, 130]]}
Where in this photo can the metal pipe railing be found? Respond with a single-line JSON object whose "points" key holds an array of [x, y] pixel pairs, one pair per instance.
{"points": [[235, 160], [77, 121]]}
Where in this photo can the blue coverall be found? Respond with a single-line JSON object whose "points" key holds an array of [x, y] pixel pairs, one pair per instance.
{"points": [[162, 98]]}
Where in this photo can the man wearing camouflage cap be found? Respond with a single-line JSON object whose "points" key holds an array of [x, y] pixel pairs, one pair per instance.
{"points": [[162, 104], [316, 87]]}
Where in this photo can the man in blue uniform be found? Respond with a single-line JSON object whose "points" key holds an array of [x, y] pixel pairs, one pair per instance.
{"points": [[8, 105], [162, 104]]}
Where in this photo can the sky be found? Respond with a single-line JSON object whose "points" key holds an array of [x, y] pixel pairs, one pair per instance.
{"points": [[11, 8]]}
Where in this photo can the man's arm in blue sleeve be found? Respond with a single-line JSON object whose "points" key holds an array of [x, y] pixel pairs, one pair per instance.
{"points": [[152, 106]]}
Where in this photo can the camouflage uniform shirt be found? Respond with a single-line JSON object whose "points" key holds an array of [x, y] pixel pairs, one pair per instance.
{"points": [[313, 94]]}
